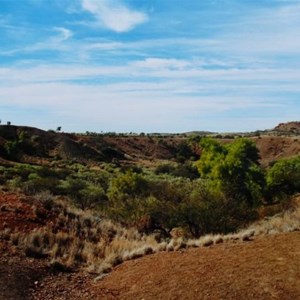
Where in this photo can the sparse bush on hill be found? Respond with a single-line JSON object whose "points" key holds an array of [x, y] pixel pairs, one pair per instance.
{"points": [[15, 147], [209, 211], [184, 152], [85, 194], [125, 192], [80, 240], [36, 184], [12, 149]]}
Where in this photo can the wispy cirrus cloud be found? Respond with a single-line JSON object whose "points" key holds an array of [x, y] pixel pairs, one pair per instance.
{"points": [[270, 31], [192, 66], [64, 34], [161, 106], [114, 15], [54, 42]]}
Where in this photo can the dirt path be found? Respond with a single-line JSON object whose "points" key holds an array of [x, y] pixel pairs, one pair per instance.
{"points": [[266, 268]]}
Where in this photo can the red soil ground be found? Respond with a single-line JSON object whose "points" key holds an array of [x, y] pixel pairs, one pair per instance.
{"points": [[274, 148], [18, 214], [266, 268]]}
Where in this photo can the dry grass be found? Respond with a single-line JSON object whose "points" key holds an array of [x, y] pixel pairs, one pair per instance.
{"points": [[288, 221], [76, 239], [81, 240], [281, 223]]}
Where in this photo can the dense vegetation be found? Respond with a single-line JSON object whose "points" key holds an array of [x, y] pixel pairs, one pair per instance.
{"points": [[217, 193]]}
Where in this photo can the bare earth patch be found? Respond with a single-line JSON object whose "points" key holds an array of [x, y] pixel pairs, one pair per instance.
{"points": [[265, 268]]}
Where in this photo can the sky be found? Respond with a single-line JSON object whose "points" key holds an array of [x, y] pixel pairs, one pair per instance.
{"points": [[150, 65]]}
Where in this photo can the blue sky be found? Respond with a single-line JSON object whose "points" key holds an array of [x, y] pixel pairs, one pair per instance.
{"points": [[150, 65]]}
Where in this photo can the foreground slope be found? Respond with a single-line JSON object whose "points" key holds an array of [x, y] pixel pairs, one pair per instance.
{"points": [[265, 268]]}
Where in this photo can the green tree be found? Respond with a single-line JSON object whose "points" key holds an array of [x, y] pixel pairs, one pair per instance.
{"points": [[283, 178], [233, 168], [85, 194], [125, 193]]}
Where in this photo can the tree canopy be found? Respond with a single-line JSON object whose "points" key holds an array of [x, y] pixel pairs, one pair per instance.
{"points": [[233, 168]]}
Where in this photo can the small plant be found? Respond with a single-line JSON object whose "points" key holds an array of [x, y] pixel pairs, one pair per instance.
{"points": [[45, 199]]}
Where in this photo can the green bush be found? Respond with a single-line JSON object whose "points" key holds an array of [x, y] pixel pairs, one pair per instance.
{"points": [[36, 184], [12, 149], [184, 152], [283, 178], [186, 170], [206, 210], [234, 168], [83, 193]]}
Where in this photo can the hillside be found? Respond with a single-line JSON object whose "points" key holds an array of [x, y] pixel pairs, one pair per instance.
{"points": [[106, 216], [291, 127], [262, 267], [32, 145], [35, 146], [267, 268]]}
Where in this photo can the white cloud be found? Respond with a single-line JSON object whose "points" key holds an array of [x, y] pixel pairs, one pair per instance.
{"points": [[160, 63], [157, 95], [270, 31], [141, 106], [114, 15], [55, 42], [191, 72], [65, 33]]}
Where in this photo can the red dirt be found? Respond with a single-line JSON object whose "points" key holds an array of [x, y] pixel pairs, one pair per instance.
{"points": [[266, 268], [16, 214], [293, 127], [274, 148], [20, 213], [146, 147]]}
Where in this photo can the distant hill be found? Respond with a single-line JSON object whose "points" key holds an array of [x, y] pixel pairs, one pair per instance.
{"points": [[200, 133], [35, 146], [292, 127]]}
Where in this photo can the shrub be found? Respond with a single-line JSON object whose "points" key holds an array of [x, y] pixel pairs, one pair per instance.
{"points": [[234, 168], [84, 194], [165, 169], [283, 178], [12, 149], [184, 152], [46, 199], [186, 170]]}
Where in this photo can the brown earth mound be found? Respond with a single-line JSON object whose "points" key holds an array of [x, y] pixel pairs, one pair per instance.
{"points": [[41, 147], [293, 127], [274, 148]]}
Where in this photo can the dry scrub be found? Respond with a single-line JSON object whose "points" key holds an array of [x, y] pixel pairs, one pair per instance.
{"points": [[80, 240], [288, 221], [77, 239]]}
